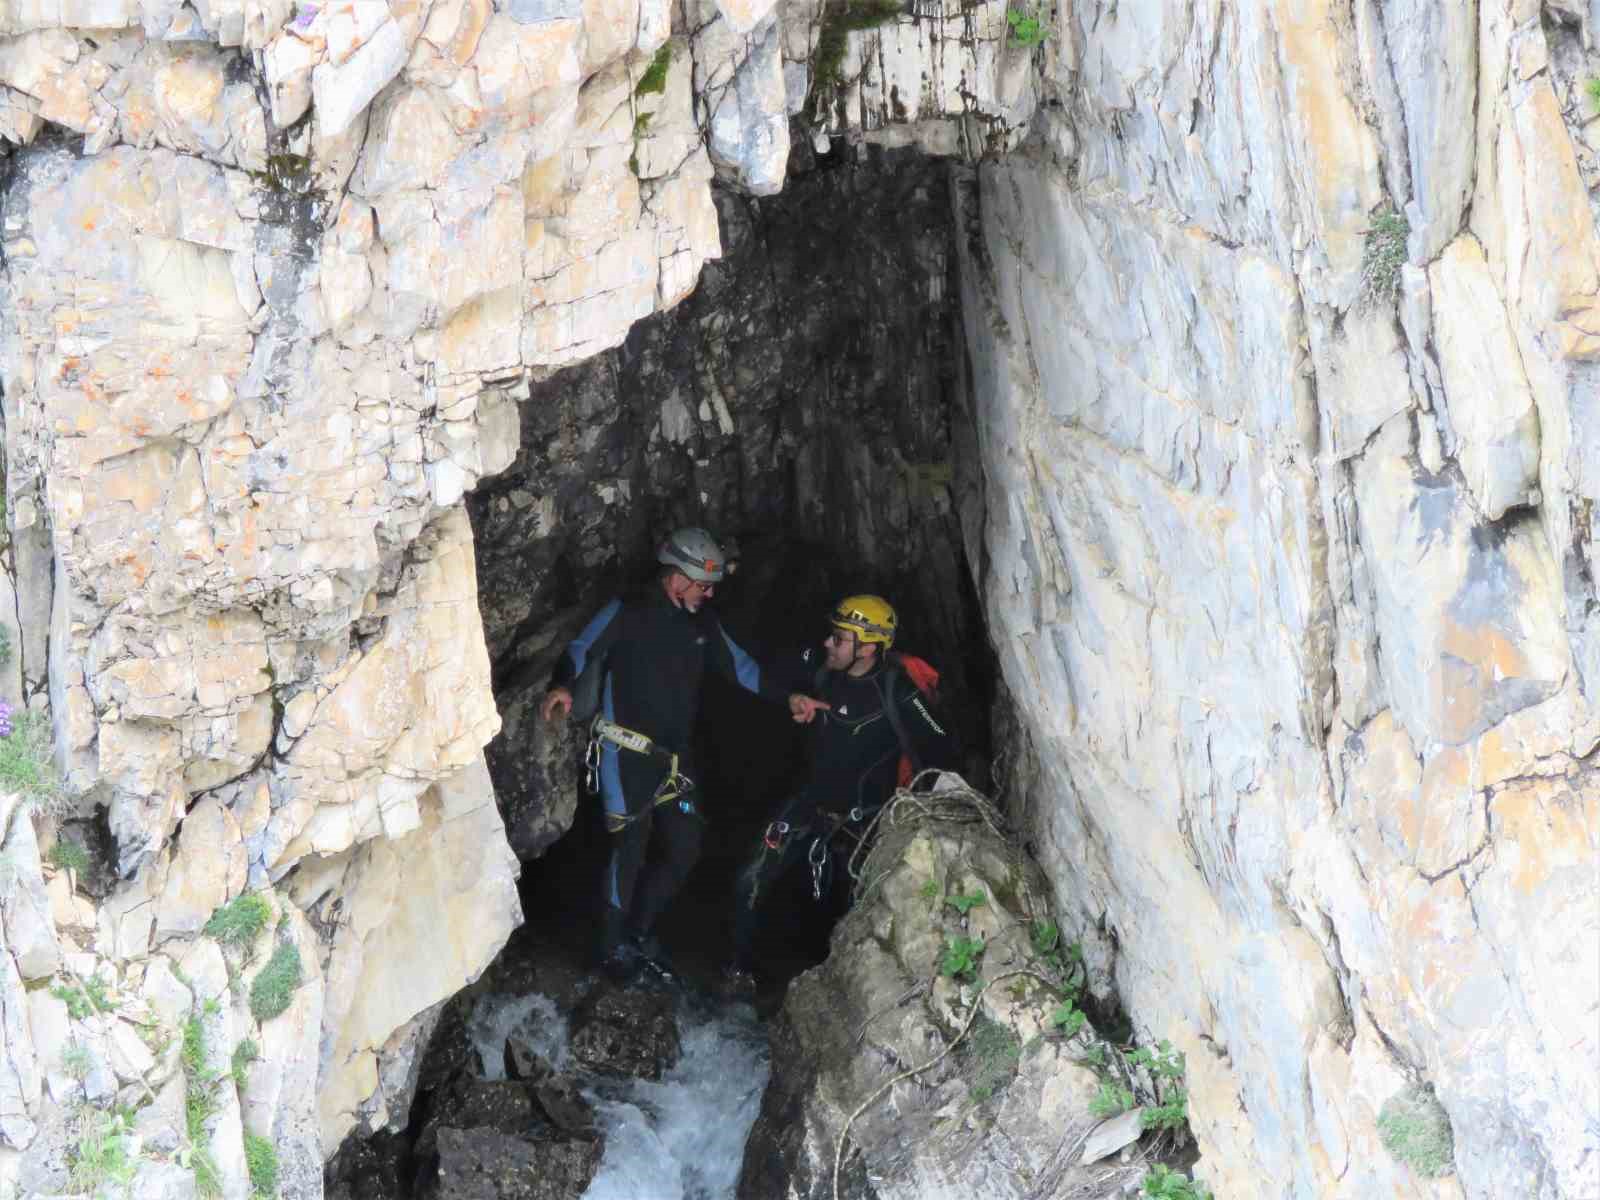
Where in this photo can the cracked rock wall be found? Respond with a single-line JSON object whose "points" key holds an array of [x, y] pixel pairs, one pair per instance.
{"points": [[275, 276], [1290, 563]]}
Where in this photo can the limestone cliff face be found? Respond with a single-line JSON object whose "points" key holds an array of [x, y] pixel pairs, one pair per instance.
{"points": [[1284, 529], [1291, 562], [274, 279]]}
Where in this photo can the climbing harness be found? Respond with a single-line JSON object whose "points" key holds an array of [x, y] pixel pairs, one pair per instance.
{"points": [[674, 788]]}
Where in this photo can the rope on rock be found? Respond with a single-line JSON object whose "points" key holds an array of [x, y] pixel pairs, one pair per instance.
{"points": [[956, 802], [844, 1135]]}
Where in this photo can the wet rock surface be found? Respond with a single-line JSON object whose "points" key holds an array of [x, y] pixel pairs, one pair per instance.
{"points": [[626, 1032]]}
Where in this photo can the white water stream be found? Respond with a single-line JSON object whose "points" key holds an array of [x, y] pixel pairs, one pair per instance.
{"points": [[681, 1138]]}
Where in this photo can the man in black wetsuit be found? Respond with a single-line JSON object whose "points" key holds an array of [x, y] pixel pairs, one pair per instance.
{"points": [[867, 713], [643, 656]]}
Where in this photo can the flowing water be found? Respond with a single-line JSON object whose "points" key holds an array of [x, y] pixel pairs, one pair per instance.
{"points": [[681, 1138]]}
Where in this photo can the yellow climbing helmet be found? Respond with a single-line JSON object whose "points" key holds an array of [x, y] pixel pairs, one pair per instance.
{"points": [[870, 618]]}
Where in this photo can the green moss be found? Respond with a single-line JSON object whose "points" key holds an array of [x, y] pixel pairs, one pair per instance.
{"points": [[654, 80], [238, 922], [1415, 1129], [1591, 89], [839, 21], [274, 987]]}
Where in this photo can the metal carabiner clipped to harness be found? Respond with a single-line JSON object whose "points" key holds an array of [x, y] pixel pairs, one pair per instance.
{"points": [[818, 857], [591, 764]]}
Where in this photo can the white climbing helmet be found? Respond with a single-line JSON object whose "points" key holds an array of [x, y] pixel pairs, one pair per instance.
{"points": [[694, 552]]}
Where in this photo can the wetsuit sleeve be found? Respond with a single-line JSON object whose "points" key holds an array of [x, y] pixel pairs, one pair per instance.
{"points": [[593, 641], [730, 661], [797, 672], [933, 744]]}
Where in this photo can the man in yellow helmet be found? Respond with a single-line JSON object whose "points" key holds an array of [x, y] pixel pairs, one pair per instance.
{"points": [[870, 709]]}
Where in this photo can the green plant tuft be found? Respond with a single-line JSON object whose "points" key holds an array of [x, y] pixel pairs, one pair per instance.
{"points": [[929, 891], [84, 1002], [102, 1153], [654, 80], [77, 1060], [207, 1179], [69, 855], [1068, 1018], [27, 762], [1111, 1100], [961, 955], [1591, 89], [261, 1157], [5, 643], [245, 1053], [1415, 1129], [1383, 256], [194, 1048], [1027, 30], [992, 1052], [238, 922], [965, 904], [274, 987], [1163, 1183]]}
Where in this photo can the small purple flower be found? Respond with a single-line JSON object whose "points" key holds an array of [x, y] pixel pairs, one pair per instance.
{"points": [[5, 719]]}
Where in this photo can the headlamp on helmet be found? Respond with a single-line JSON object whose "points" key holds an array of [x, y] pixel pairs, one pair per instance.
{"points": [[870, 618]]}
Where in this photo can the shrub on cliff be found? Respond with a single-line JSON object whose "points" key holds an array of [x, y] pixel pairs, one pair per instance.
{"points": [[274, 987], [1416, 1130], [26, 757]]}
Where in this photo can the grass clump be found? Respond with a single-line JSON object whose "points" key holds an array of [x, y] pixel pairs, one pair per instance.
{"points": [[102, 1154], [1415, 1129], [1163, 1183], [245, 1053], [68, 854], [992, 1054], [238, 922], [83, 1002], [261, 1157], [77, 1060], [961, 955], [274, 987], [1591, 89], [27, 763], [1383, 256], [199, 1106], [5, 644], [654, 80]]}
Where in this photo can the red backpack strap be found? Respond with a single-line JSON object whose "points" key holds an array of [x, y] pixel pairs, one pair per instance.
{"points": [[925, 677]]}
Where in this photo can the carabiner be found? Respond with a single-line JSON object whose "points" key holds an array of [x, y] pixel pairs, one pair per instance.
{"points": [[591, 762], [776, 832], [818, 857]]}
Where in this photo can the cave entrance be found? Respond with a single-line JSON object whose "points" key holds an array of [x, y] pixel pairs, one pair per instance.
{"points": [[809, 404]]}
